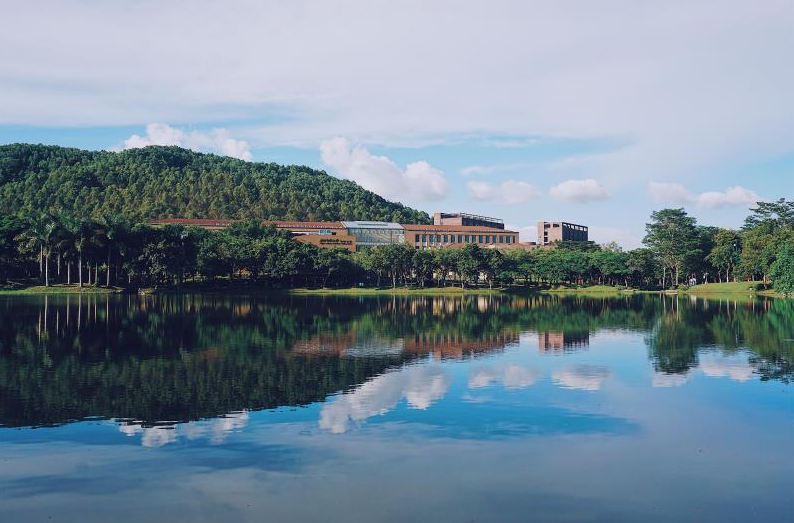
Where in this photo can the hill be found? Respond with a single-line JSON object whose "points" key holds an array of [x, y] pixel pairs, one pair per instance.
{"points": [[167, 182]]}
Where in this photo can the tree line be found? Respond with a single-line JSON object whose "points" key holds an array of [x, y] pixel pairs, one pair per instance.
{"points": [[164, 182], [114, 251]]}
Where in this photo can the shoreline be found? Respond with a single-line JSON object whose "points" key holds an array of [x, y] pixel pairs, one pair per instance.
{"points": [[713, 290]]}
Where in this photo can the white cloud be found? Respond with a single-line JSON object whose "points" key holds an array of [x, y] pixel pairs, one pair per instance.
{"points": [[674, 193], [420, 386], [732, 197], [571, 75], [216, 141], [581, 377], [379, 174], [509, 192], [474, 170], [581, 191]]}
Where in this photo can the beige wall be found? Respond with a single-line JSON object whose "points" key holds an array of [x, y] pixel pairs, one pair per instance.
{"points": [[443, 237], [327, 241]]}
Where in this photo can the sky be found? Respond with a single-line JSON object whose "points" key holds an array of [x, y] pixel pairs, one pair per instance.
{"points": [[594, 112]]}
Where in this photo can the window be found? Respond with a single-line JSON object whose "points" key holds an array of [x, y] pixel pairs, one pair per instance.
{"points": [[446, 239], [460, 238], [451, 238], [432, 239], [424, 238], [416, 238], [480, 239], [468, 239], [501, 239]]}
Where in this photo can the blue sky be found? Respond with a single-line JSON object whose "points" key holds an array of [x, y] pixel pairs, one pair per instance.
{"points": [[596, 113]]}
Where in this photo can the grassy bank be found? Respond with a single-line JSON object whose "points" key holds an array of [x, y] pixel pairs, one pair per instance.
{"points": [[738, 288], [402, 291], [61, 288]]}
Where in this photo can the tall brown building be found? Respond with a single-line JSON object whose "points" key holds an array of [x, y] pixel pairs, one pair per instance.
{"points": [[464, 219], [551, 232]]}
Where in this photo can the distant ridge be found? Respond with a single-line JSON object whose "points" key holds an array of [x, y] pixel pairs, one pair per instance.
{"points": [[169, 182]]}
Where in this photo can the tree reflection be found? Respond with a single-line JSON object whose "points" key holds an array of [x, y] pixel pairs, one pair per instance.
{"points": [[180, 358]]}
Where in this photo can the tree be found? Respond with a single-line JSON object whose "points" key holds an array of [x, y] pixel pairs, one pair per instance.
{"points": [[770, 225], [469, 261], [782, 270], [113, 228], [643, 266], [10, 228], [672, 236], [725, 254], [423, 263], [493, 262], [330, 262]]}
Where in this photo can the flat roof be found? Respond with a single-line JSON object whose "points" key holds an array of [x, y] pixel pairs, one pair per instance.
{"points": [[455, 228], [372, 225], [197, 222], [305, 225]]}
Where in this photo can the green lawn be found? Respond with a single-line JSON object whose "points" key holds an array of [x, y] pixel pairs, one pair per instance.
{"points": [[60, 288], [366, 291], [589, 289], [741, 287]]}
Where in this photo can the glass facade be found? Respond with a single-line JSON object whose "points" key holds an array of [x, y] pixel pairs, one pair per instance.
{"points": [[375, 234]]}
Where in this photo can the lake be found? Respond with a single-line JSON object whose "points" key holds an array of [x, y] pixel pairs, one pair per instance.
{"points": [[454, 409]]}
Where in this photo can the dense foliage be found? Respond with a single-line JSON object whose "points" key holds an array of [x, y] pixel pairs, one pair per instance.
{"points": [[163, 182], [112, 251], [72, 216]]}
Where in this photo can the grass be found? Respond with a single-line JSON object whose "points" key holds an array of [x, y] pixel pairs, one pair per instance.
{"points": [[588, 289], [740, 287], [401, 291], [60, 288]]}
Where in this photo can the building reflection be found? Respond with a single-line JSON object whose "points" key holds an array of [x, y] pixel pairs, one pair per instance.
{"points": [[562, 341]]}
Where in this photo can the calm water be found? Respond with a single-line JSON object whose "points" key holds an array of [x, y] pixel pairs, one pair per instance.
{"points": [[207, 408]]}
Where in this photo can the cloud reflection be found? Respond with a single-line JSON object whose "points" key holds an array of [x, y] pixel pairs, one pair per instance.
{"points": [[420, 386], [720, 366], [711, 365], [581, 377], [511, 377], [215, 430]]}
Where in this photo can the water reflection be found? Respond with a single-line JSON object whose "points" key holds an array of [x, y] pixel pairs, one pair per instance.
{"points": [[185, 358], [215, 430], [420, 386], [509, 376], [581, 377]]}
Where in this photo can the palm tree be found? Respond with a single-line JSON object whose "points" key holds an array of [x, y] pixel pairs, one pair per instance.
{"points": [[113, 230], [38, 235], [76, 235]]}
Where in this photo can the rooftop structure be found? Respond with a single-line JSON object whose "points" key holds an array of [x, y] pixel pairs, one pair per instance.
{"points": [[465, 219], [552, 232]]}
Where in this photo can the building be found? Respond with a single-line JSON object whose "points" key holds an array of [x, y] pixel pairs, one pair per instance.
{"points": [[552, 232], [374, 234], [361, 235], [464, 219], [427, 236]]}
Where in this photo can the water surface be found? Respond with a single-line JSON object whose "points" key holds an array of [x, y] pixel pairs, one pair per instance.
{"points": [[471, 408]]}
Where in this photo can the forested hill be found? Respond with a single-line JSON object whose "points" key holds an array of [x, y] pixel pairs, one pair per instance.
{"points": [[167, 182]]}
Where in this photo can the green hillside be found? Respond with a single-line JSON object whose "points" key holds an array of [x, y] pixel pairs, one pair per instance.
{"points": [[167, 182]]}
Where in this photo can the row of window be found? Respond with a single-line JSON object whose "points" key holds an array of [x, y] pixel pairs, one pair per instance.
{"points": [[440, 239]]}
